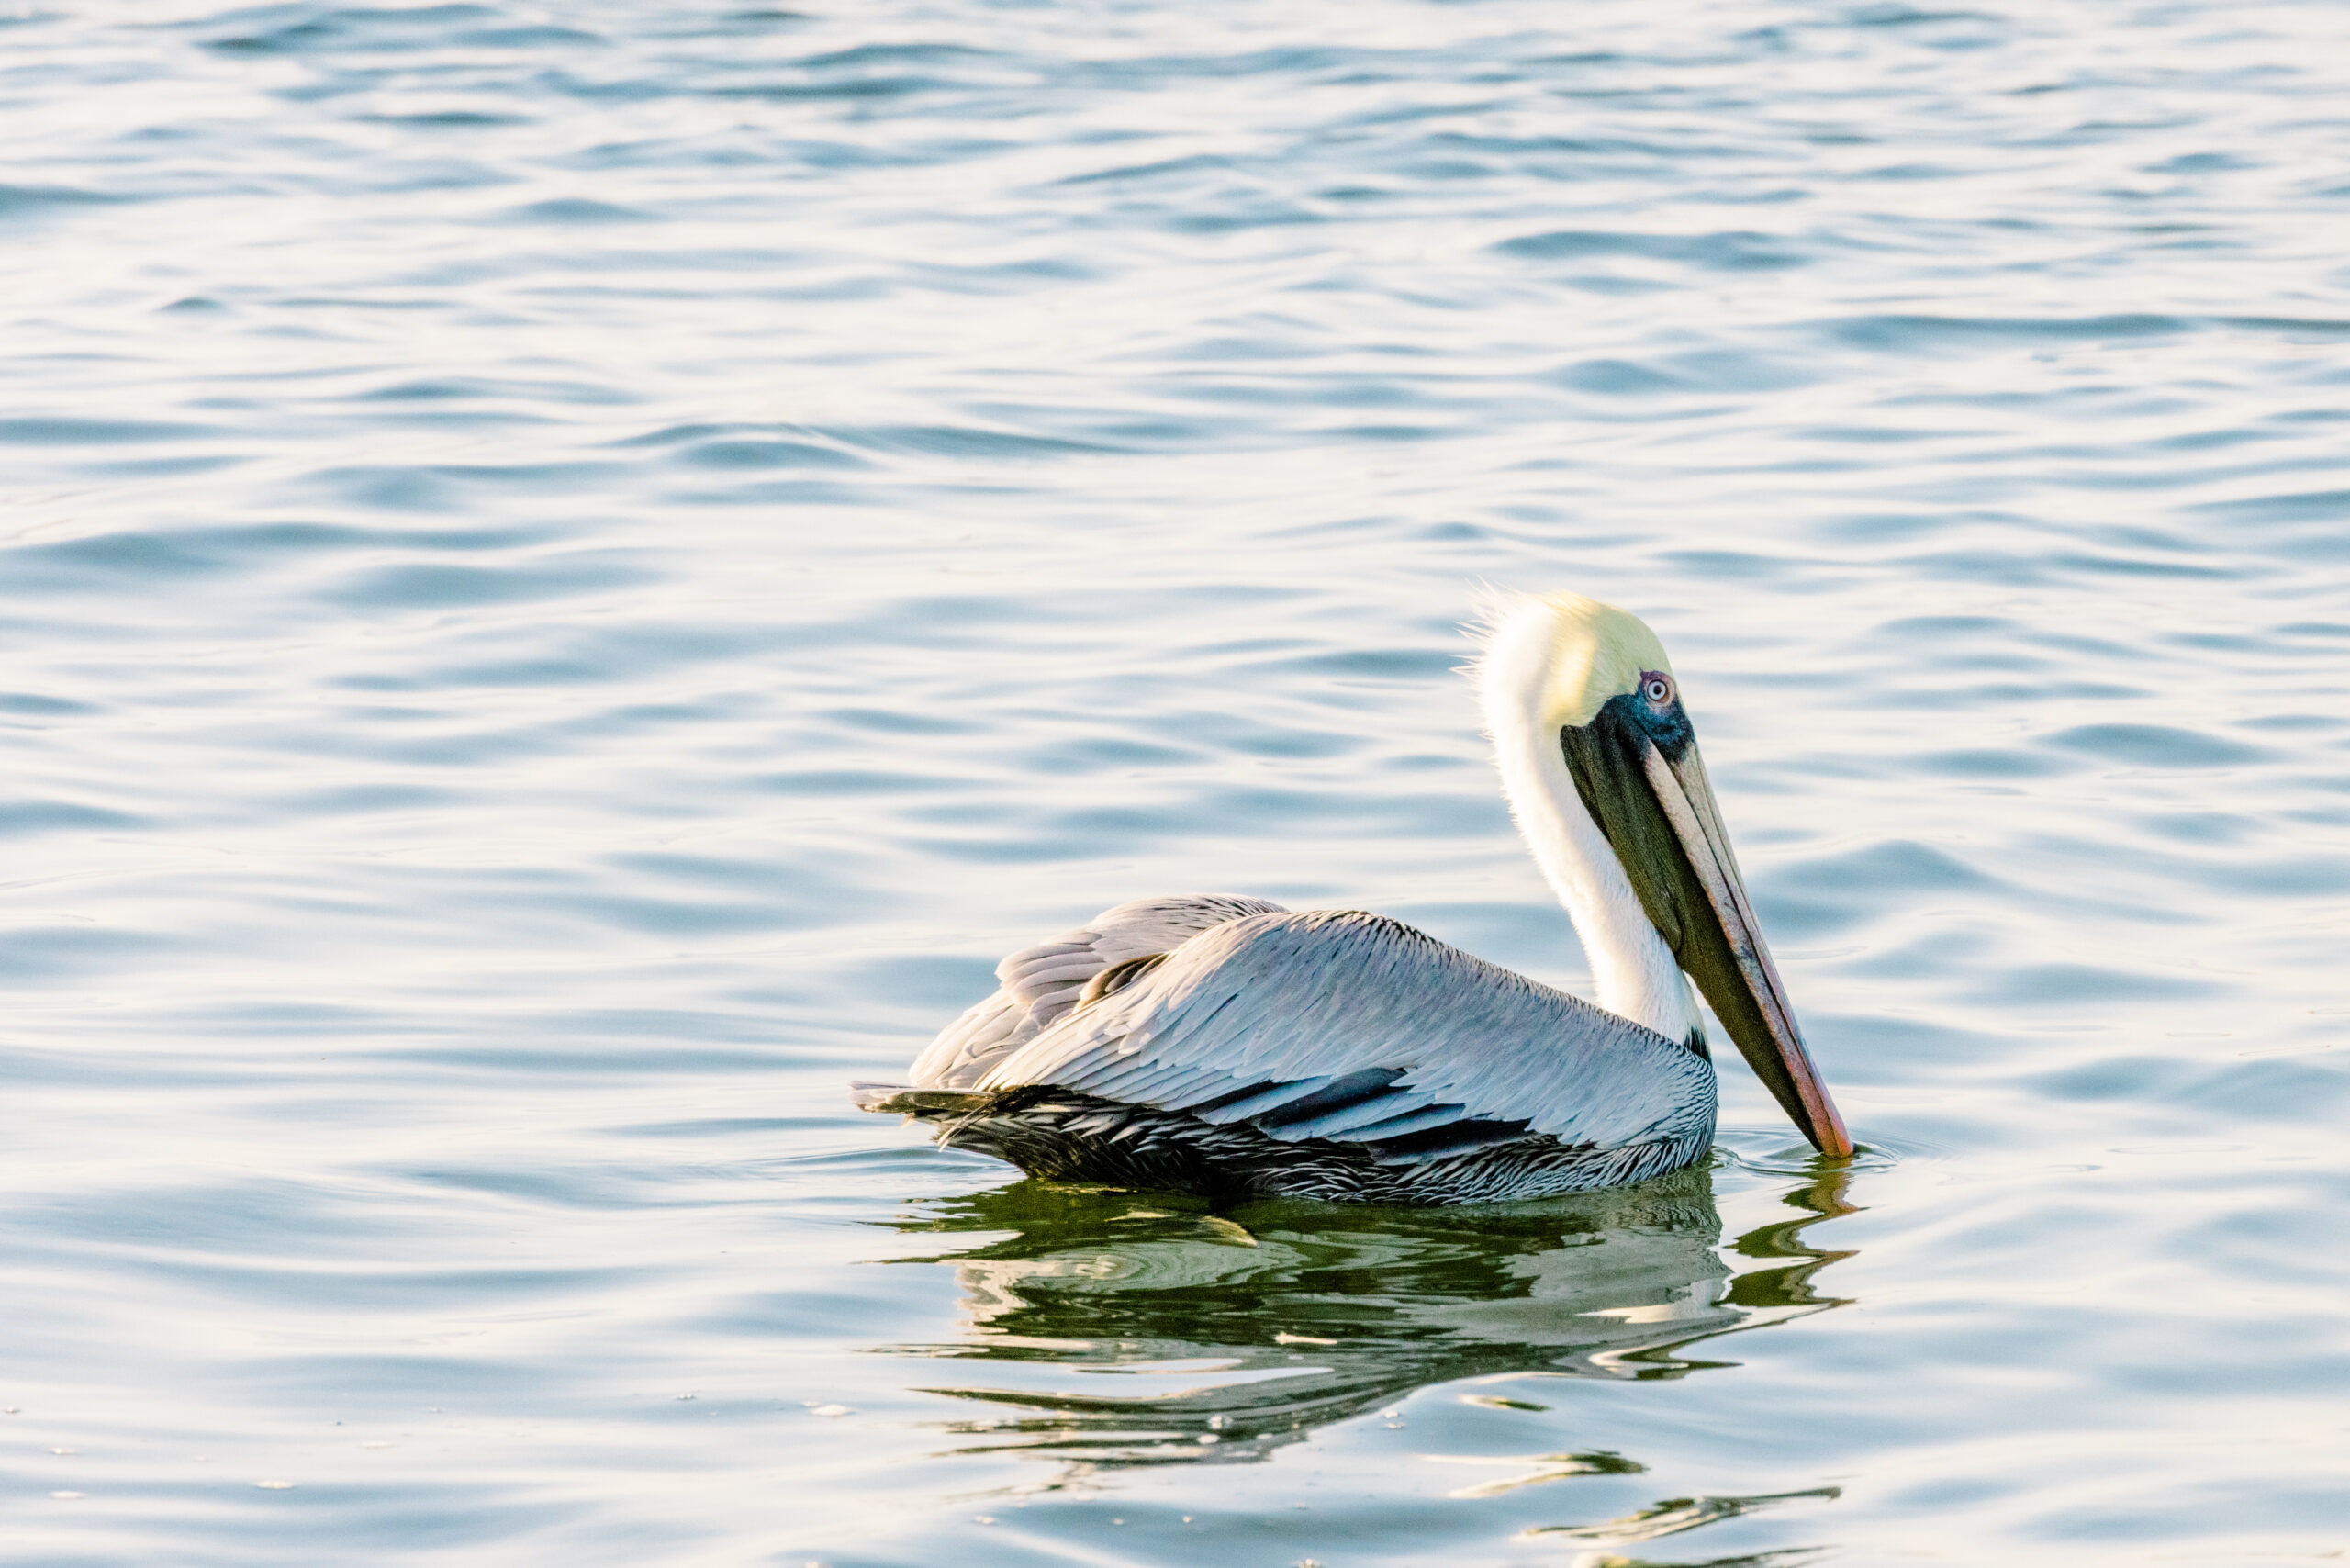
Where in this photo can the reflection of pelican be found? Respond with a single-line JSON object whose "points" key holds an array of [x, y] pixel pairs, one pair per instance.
{"points": [[1226, 1337], [1222, 1044]]}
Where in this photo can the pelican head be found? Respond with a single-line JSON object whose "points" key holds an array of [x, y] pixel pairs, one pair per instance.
{"points": [[1603, 773]]}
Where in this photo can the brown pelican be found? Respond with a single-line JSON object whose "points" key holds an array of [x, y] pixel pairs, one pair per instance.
{"points": [[1226, 1046]]}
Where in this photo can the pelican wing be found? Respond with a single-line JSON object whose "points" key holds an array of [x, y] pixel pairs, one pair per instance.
{"points": [[1338, 1024], [1042, 983]]}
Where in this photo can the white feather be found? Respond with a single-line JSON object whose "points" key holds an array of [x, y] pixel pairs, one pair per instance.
{"points": [[1632, 970]]}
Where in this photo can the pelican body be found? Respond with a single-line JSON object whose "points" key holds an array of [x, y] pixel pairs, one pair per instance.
{"points": [[1226, 1046]]}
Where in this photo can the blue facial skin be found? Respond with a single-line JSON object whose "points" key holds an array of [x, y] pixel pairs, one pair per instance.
{"points": [[1668, 726], [1619, 727]]}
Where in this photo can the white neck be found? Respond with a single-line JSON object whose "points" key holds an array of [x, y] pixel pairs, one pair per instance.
{"points": [[1631, 969]]}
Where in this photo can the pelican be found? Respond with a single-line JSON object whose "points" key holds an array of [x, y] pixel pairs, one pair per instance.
{"points": [[1229, 1046]]}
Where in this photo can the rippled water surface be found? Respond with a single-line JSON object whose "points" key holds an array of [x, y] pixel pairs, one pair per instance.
{"points": [[573, 576]]}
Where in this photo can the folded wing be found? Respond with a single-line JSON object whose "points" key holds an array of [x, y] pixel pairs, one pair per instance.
{"points": [[1358, 1029], [1041, 985]]}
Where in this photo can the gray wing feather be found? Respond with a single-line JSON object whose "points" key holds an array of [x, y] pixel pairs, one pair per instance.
{"points": [[1041, 985], [1342, 1024]]}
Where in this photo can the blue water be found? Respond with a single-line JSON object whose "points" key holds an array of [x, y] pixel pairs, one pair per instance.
{"points": [[571, 577]]}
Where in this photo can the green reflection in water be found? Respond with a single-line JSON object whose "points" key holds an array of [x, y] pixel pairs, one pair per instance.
{"points": [[1231, 1332], [1675, 1515], [1788, 1558]]}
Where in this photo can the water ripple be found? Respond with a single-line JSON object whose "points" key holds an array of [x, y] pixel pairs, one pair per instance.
{"points": [[579, 578]]}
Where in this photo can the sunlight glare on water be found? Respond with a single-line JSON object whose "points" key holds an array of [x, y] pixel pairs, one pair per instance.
{"points": [[575, 576]]}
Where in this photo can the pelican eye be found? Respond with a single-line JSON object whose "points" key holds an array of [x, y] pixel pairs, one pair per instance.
{"points": [[1658, 689]]}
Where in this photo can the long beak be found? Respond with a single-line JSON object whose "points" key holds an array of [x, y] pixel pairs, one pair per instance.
{"points": [[1658, 815]]}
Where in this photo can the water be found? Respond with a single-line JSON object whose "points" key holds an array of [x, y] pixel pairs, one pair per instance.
{"points": [[575, 576]]}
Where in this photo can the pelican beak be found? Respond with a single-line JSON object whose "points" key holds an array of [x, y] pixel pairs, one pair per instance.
{"points": [[1641, 779]]}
